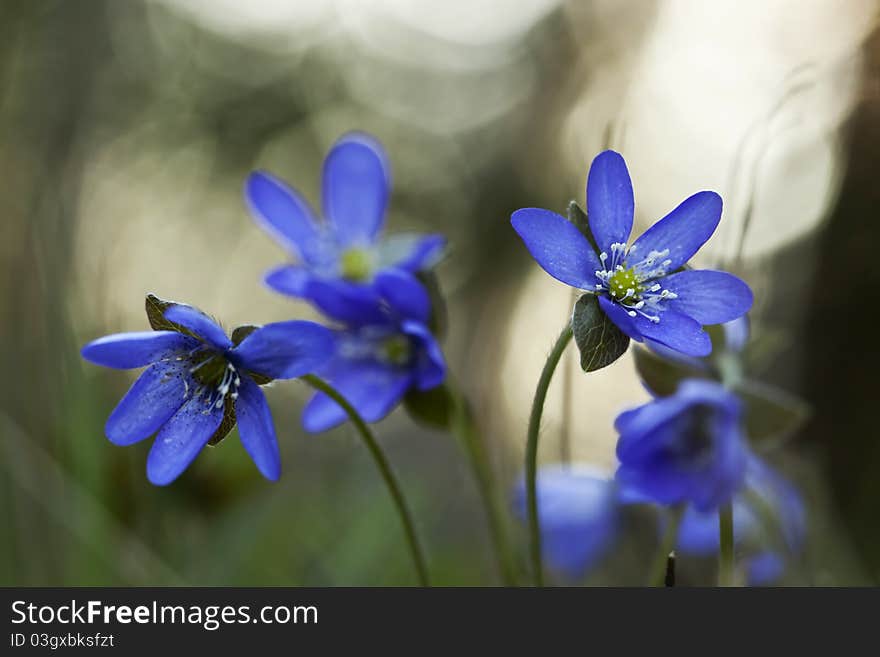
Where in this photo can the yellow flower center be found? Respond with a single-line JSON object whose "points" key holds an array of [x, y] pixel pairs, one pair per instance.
{"points": [[356, 264], [623, 284], [396, 350]]}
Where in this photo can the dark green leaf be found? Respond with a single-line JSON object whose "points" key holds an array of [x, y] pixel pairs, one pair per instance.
{"points": [[241, 332], [227, 423], [437, 323], [661, 375], [579, 218], [156, 308], [598, 339], [433, 408], [771, 415], [718, 337]]}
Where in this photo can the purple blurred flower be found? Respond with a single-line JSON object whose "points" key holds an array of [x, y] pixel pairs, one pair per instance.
{"points": [[685, 448], [338, 260], [578, 509], [765, 563], [375, 364]]}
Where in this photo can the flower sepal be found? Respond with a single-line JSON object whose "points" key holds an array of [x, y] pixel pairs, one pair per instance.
{"points": [[433, 409], [598, 339]]}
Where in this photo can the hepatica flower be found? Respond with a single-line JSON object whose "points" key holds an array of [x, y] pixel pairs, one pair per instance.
{"points": [[640, 285], [765, 497], [686, 448], [337, 261], [198, 383], [579, 512], [376, 364]]}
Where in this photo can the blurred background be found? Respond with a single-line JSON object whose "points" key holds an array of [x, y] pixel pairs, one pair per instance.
{"points": [[127, 129]]}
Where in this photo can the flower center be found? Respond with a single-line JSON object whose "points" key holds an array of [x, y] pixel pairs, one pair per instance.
{"points": [[213, 377], [356, 264], [624, 284], [396, 350], [632, 282]]}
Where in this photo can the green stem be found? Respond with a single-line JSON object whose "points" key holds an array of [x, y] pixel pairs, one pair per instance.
{"points": [[384, 470], [532, 451], [725, 525], [658, 569], [465, 428]]}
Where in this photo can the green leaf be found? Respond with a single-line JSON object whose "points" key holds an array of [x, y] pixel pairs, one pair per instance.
{"points": [[241, 332], [227, 423], [578, 217], [437, 323], [771, 415], [661, 375], [156, 308], [598, 339], [434, 408]]}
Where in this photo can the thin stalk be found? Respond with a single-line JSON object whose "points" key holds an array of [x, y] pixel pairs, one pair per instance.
{"points": [[384, 469], [658, 568], [532, 451], [465, 428], [725, 526]]}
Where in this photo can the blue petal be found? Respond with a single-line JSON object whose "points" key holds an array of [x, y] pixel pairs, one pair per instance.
{"points": [[411, 252], [256, 429], [149, 403], [698, 533], [676, 331], [199, 323], [129, 350], [373, 388], [181, 439], [710, 297], [291, 280], [764, 569], [656, 460], [430, 366], [351, 303], [610, 203], [557, 246], [578, 515], [616, 313], [285, 350], [282, 213], [684, 230], [407, 297], [356, 182], [634, 425]]}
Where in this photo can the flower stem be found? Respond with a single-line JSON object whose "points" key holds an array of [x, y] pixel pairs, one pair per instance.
{"points": [[532, 451], [465, 428], [384, 469], [725, 525], [658, 569]]}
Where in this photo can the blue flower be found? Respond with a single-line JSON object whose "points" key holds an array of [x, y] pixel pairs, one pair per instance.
{"points": [[686, 448], [375, 364], [780, 504], [640, 286], [198, 383], [338, 260], [579, 516]]}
